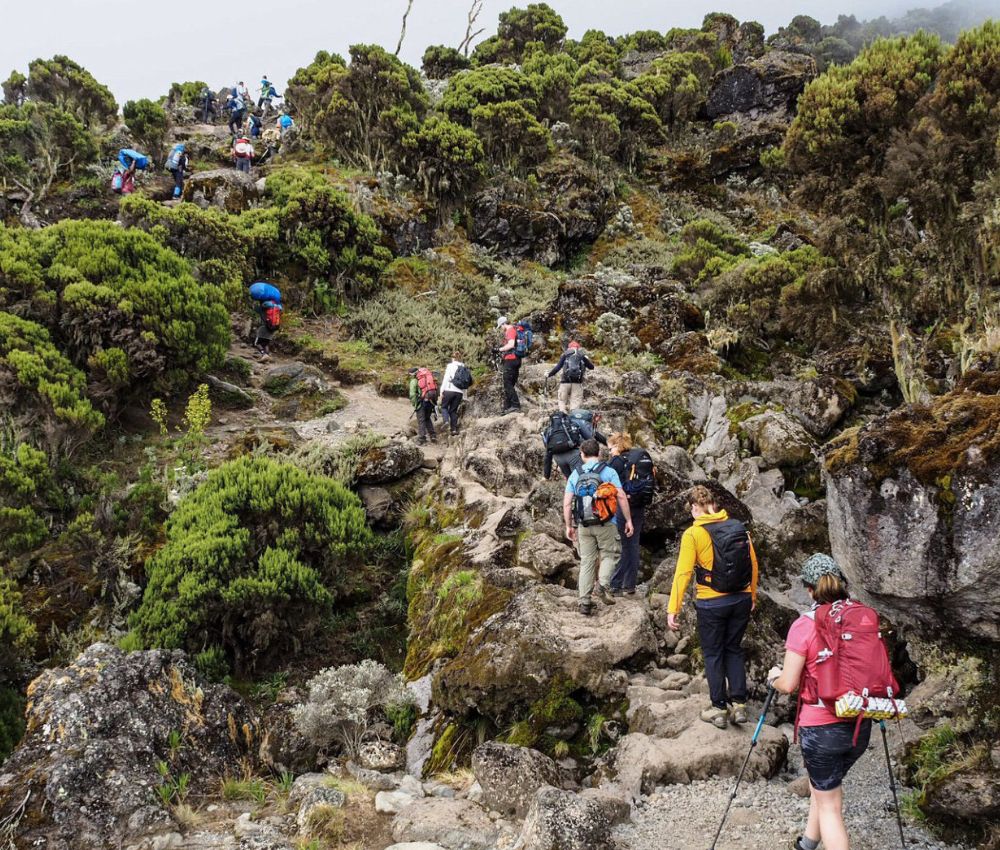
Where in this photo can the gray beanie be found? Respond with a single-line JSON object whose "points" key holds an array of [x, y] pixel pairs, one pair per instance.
{"points": [[819, 565]]}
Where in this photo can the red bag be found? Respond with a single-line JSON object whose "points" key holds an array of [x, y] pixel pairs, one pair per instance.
{"points": [[272, 316], [853, 657], [427, 384]]}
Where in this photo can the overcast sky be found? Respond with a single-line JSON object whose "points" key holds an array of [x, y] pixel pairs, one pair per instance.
{"points": [[138, 50]]}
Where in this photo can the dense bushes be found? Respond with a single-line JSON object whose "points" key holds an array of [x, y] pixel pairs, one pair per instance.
{"points": [[253, 558], [148, 123], [118, 303], [66, 85]]}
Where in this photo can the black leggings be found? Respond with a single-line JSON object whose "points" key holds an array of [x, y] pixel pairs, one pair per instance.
{"points": [[450, 402]]}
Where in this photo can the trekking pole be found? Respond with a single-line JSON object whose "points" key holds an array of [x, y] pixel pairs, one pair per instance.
{"points": [[892, 782], [746, 761]]}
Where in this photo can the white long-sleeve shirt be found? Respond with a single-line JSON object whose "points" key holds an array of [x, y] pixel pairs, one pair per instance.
{"points": [[447, 382]]}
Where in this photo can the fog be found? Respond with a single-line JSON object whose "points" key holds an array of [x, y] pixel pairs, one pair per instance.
{"points": [[139, 50]]}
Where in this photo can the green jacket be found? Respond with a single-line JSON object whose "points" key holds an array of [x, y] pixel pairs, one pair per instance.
{"points": [[415, 395]]}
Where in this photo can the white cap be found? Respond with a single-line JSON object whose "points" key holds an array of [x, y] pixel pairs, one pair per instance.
{"points": [[501, 321]]}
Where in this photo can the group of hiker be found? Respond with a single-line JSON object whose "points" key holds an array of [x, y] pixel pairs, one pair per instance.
{"points": [[428, 398], [603, 509]]}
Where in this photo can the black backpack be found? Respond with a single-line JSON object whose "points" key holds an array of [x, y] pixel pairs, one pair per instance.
{"points": [[573, 368], [639, 478], [732, 568], [463, 377], [562, 434]]}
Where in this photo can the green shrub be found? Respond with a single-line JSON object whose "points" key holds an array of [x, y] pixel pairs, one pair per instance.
{"points": [[17, 632], [43, 393], [482, 86], [440, 62], [252, 559], [11, 720], [70, 87], [27, 490], [538, 24], [446, 157], [511, 135], [98, 286], [188, 93], [148, 123], [676, 85]]}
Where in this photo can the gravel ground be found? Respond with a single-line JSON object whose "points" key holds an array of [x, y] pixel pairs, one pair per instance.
{"points": [[766, 814]]}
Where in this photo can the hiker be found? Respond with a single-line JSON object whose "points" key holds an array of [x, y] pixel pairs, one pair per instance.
{"points": [[243, 154], [266, 90], [636, 472], [726, 593], [457, 379], [267, 305], [256, 124], [237, 112], [285, 123], [423, 396], [207, 105], [517, 341], [129, 162], [573, 363], [829, 745], [176, 164], [593, 495], [244, 93], [562, 439]]}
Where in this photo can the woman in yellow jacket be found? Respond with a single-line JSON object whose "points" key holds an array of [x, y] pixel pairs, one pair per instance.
{"points": [[722, 616]]}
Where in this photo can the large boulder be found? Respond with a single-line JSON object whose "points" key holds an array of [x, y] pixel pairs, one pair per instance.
{"points": [[541, 637], [779, 439], [914, 512], [86, 770], [819, 404], [768, 84], [389, 462], [226, 188], [562, 820], [510, 776], [547, 556]]}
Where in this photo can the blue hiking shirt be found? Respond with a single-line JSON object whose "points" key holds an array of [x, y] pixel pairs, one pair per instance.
{"points": [[608, 475]]}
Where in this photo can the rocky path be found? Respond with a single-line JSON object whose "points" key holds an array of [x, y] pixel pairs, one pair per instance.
{"points": [[767, 814]]}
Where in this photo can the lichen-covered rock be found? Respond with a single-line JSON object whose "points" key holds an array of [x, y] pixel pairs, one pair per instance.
{"points": [[562, 820], [282, 748], [226, 188], [770, 83], [510, 776], [914, 512], [390, 462], [454, 824], [547, 556], [289, 378], [383, 756], [819, 404], [966, 795], [778, 439], [97, 729], [539, 637]]}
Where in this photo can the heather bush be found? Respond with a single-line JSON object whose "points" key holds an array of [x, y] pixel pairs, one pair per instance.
{"points": [[253, 559]]}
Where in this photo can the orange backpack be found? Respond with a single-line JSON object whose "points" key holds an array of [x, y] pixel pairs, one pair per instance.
{"points": [[427, 384]]}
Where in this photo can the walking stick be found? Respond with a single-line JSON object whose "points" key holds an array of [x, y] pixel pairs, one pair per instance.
{"points": [[892, 782], [746, 761]]}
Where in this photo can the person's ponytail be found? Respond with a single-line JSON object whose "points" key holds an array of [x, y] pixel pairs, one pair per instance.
{"points": [[829, 589]]}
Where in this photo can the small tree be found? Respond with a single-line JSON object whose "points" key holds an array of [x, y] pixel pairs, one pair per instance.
{"points": [[440, 62], [71, 87], [676, 85], [148, 123], [482, 86], [511, 135], [344, 702], [447, 158]]}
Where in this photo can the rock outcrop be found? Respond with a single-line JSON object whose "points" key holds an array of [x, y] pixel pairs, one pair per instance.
{"points": [[97, 730], [510, 776], [768, 84], [914, 513], [225, 188]]}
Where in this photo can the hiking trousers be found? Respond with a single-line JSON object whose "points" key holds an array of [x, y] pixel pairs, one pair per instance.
{"points": [[627, 574], [450, 402], [597, 544], [511, 369], [425, 420], [570, 397], [178, 181], [721, 624]]}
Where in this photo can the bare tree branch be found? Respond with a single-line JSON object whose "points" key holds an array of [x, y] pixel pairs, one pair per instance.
{"points": [[470, 36], [402, 32]]}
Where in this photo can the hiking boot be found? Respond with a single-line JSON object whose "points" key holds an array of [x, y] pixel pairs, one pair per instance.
{"points": [[738, 713], [617, 591], [586, 607], [716, 716], [799, 845], [601, 592], [421, 441], [629, 592]]}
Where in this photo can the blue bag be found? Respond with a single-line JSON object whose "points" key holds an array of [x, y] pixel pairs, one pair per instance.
{"points": [[262, 291]]}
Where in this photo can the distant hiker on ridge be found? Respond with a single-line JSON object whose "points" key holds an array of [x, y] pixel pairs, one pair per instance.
{"points": [[573, 363], [726, 594], [593, 496]]}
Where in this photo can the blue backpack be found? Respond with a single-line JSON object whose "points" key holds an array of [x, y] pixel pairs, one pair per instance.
{"points": [[523, 340], [174, 159]]}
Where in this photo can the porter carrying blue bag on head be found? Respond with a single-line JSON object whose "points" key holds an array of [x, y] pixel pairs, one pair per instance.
{"points": [[262, 291]]}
